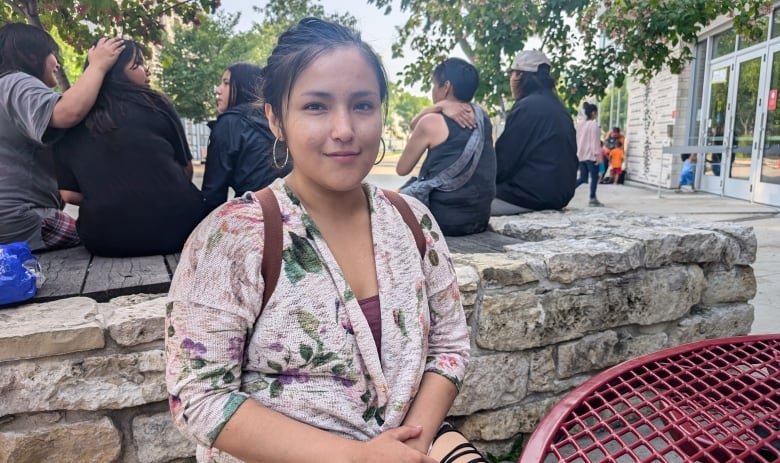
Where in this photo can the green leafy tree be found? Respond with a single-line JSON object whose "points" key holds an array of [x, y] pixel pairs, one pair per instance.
{"points": [[87, 20], [613, 97], [193, 59], [405, 105], [645, 36]]}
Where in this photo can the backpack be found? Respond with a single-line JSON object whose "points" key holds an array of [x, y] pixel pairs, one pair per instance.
{"points": [[273, 244]]}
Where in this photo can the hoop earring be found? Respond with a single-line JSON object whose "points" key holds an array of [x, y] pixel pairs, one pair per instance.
{"points": [[286, 155], [383, 152]]}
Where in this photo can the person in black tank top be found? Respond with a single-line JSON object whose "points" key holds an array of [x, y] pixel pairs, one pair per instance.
{"points": [[456, 180]]}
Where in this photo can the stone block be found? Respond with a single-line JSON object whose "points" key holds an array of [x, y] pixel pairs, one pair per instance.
{"points": [[468, 281], [526, 320], [499, 270], [94, 383], [542, 370], [741, 242], [504, 423], [534, 226], [51, 328], [669, 245], [492, 381], [85, 441], [728, 284], [507, 320], [713, 322], [135, 324], [602, 350], [158, 441], [568, 260]]}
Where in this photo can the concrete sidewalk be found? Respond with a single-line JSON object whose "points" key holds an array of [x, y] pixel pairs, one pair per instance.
{"points": [[765, 221]]}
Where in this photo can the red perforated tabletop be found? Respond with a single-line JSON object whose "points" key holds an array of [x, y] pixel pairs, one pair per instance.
{"points": [[710, 401]]}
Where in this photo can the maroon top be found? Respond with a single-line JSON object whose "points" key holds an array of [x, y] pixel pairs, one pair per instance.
{"points": [[370, 307]]}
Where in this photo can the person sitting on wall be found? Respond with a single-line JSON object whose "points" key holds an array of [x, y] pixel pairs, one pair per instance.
{"points": [[457, 178], [129, 168], [537, 152], [239, 152], [32, 118]]}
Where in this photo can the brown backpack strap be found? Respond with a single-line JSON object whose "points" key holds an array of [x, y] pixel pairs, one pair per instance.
{"points": [[411, 221], [272, 242]]}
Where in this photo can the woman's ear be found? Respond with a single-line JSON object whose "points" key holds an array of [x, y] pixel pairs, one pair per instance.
{"points": [[273, 122]]}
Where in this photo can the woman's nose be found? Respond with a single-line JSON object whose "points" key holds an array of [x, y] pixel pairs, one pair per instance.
{"points": [[342, 125]]}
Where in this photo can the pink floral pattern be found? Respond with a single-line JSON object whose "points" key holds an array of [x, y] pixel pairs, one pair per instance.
{"points": [[311, 355]]}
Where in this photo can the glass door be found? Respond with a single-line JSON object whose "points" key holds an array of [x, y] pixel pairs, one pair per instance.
{"points": [[715, 127], [743, 140], [767, 186]]}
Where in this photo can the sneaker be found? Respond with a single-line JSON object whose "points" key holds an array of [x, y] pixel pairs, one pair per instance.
{"points": [[595, 203]]}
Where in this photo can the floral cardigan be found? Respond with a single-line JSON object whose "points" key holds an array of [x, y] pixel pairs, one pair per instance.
{"points": [[311, 355]]}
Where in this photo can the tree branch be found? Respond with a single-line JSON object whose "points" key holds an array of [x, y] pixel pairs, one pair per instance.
{"points": [[14, 7]]}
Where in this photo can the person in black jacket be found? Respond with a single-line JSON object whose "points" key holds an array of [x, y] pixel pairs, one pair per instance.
{"points": [[128, 167], [537, 152], [240, 145]]}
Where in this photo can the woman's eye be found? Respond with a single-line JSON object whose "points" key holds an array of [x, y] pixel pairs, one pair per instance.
{"points": [[364, 106], [314, 107]]}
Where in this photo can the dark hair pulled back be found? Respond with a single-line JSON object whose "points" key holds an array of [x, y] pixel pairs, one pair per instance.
{"points": [[24, 48], [298, 47], [589, 109]]}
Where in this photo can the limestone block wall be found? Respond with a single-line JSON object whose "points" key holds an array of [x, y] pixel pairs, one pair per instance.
{"points": [[578, 292]]}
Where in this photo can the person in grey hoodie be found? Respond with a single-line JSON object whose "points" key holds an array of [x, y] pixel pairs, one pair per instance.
{"points": [[240, 151]]}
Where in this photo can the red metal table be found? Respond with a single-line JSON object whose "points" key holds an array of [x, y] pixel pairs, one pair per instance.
{"points": [[710, 401]]}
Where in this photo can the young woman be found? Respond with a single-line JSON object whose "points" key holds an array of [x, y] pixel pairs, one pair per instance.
{"points": [[31, 118], [239, 153], [360, 350], [589, 150], [128, 167]]}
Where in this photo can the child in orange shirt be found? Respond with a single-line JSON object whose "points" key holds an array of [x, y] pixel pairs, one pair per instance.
{"points": [[616, 161]]}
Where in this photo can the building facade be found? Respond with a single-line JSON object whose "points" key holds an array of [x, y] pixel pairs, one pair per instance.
{"points": [[723, 106]]}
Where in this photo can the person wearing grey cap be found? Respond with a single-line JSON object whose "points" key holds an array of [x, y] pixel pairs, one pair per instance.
{"points": [[537, 151]]}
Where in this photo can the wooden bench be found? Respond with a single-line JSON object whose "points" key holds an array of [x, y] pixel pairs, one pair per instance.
{"points": [[76, 272]]}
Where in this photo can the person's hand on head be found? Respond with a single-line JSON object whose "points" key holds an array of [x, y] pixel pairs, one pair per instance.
{"points": [[104, 54], [389, 447], [461, 113]]}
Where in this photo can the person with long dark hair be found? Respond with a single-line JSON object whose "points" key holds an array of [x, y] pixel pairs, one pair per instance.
{"points": [[239, 152], [589, 149], [32, 117], [129, 168], [537, 151], [363, 344]]}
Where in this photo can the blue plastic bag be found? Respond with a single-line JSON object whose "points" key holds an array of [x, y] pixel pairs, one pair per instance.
{"points": [[19, 272]]}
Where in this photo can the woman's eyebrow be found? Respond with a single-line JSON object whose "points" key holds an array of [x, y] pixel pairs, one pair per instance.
{"points": [[325, 94]]}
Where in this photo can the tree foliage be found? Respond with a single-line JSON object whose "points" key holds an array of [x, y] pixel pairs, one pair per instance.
{"points": [[82, 22], [193, 59], [644, 37]]}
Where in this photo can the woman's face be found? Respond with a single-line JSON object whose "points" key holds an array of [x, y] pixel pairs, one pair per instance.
{"points": [[332, 121], [223, 93], [50, 68], [137, 73]]}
